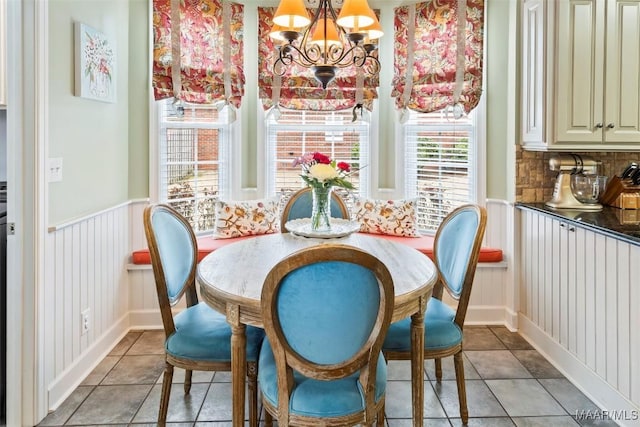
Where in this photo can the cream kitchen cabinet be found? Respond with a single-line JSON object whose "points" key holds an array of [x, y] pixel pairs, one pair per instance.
{"points": [[3, 53], [580, 75], [550, 271], [579, 300]]}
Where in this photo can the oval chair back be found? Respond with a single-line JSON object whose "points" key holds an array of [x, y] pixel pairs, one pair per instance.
{"points": [[197, 338], [326, 310], [300, 204], [456, 251], [174, 253]]}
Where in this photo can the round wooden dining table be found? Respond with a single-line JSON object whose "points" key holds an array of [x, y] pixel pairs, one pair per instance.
{"points": [[231, 280]]}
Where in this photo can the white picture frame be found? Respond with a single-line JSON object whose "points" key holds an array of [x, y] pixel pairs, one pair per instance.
{"points": [[95, 64]]}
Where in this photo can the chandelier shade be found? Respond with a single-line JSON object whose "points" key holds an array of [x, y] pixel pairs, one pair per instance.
{"points": [[291, 14], [374, 31], [325, 33], [276, 33], [328, 41], [355, 14]]}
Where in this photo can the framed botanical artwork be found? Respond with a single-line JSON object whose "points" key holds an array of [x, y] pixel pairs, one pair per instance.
{"points": [[95, 64]]}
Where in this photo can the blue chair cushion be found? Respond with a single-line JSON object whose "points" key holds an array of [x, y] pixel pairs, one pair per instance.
{"points": [[439, 334], [204, 334], [440, 331], [315, 398], [438, 310]]}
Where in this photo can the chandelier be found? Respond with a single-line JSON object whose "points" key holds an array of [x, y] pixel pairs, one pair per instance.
{"points": [[328, 41]]}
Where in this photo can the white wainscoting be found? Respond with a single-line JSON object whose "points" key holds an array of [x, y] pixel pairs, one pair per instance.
{"points": [[85, 270], [594, 341], [492, 299], [144, 312], [489, 299], [88, 267], [580, 307]]}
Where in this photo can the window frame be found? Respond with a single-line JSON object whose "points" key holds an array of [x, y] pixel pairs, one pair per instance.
{"points": [[269, 147], [226, 131], [478, 162]]}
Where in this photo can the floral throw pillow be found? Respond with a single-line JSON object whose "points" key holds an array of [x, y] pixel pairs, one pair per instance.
{"points": [[391, 217], [246, 218]]}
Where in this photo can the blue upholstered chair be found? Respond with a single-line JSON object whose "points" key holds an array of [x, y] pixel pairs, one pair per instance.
{"points": [[456, 250], [300, 204], [326, 310], [198, 338]]}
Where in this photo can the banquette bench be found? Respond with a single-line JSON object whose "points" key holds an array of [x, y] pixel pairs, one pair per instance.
{"points": [[208, 244], [489, 283]]}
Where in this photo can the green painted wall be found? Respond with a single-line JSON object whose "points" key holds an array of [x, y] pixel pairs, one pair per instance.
{"points": [[500, 141], [105, 147], [92, 137], [139, 98]]}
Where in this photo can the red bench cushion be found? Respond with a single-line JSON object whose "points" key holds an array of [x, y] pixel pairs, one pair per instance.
{"points": [[206, 245], [424, 244]]}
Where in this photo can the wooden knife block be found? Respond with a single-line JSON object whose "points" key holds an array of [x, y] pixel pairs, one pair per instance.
{"points": [[621, 193], [628, 216]]}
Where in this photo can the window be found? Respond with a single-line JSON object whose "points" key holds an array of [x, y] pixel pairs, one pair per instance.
{"points": [[439, 164], [193, 161], [330, 132]]}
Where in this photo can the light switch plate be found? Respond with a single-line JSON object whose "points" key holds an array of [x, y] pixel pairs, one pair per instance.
{"points": [[55, 169]]}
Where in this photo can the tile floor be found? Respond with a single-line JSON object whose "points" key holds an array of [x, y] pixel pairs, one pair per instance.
{"points": [[508, 383]]}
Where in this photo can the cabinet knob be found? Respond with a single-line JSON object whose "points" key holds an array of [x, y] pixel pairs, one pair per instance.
{"points": [[599, 125], [610, 126]]}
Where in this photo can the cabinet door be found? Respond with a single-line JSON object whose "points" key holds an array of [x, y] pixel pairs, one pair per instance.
{"points": [[540, 263], [550, 269], [622, 107], [579, 81], [534, 60], [580, 288]]}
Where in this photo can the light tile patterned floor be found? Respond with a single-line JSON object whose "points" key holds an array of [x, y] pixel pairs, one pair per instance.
{"points": [[508, 383]]}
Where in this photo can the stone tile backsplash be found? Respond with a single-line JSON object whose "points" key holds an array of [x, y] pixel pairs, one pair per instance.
{"points": [[534, 180]]}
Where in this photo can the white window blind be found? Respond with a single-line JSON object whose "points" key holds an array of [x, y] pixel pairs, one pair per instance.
{"points": [[439, 166], [194, 158], [329, 132]]}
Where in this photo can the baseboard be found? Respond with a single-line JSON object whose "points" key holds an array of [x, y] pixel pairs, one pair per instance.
{"points": [[511, 319], [485, 315], [71, 378], [147, 319], [591, 384]]}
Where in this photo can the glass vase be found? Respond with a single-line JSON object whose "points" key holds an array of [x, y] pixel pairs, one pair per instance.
{"points": [[321, 209]]}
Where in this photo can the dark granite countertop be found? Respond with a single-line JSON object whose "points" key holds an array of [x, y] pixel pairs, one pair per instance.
{"points": [[623, 224]]}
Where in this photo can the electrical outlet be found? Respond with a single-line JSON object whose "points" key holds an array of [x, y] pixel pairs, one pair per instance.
{"points": [[84, 321], [55, 169]]}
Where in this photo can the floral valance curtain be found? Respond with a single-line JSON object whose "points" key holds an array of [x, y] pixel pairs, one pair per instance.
{"points": [[210, 50], [297, 88], [428, 55]]}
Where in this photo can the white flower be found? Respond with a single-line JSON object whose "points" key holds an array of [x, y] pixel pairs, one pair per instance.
{"points": [[323, 172]]}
